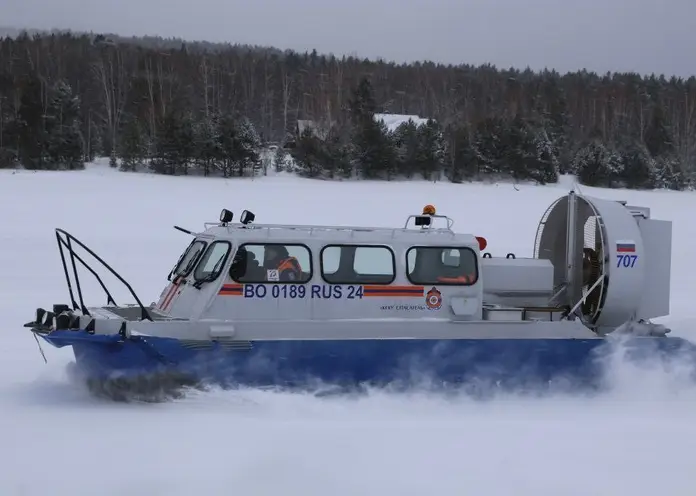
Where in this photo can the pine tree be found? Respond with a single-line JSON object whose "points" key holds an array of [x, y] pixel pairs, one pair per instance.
{"points": [[430, 154], [554, 118], [283, 160], [227, 145], [308, 155], [460, 154], [207, 136], [8, 124], [338, 162], [337, 152], [362, 103], [518, 157], [615, 166], [668, 169], [247, 144], [169, 159], [31, 127], [658, 136], [132, 146], [62, 124], [407, 141], [529, 153], [489, 145], [374, 151], [186, 145], [668, 173], [638, 167], [547, 167], [594, 164]]}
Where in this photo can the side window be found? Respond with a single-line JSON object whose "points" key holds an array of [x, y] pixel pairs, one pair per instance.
{"points": [[442, 265], [272, 263], [213, 261], [188, 260], [356, 264]]}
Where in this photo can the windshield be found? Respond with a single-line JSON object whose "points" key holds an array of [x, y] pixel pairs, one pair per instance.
{"points": [[189, 259], [213, 261]]}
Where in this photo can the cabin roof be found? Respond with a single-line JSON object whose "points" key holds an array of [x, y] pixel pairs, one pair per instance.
{"points": [[348, 234]]}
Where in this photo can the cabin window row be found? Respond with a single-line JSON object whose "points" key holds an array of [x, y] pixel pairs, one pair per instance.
{"points": [[352, 264]]}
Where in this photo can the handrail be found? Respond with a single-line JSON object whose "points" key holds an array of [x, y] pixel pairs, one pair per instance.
{"points": [[319, 228], [67, 243], [110, 298], [449, 221]]}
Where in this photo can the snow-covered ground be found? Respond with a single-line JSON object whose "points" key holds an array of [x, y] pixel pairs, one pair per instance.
{"points": [[639, 439]]}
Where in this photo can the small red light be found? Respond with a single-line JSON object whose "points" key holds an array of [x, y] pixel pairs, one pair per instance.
{"points": [[482, 242]]}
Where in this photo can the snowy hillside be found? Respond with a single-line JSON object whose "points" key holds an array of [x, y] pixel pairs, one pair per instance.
{"points": [[56, 440]]}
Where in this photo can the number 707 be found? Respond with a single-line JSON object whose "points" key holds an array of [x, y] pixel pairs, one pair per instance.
{"points": [[627, 261]]}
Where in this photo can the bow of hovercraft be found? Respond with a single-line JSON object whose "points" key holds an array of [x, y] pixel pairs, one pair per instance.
{"points": [[118, 364]]}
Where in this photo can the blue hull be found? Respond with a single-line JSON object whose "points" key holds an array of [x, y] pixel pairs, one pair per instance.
{"points": [[403, 363]]}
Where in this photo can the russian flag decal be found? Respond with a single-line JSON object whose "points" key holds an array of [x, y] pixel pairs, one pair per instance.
{"points": [[625, 246]]}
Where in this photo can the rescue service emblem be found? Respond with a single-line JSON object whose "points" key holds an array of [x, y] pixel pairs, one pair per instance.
{"points": [[433, 299]]}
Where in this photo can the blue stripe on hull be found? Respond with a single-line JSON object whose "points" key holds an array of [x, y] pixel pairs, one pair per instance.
{"points": [[348, 363]]}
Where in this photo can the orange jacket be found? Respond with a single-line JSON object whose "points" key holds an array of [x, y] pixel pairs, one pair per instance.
{"points": [[463, 279], [289, 269]]}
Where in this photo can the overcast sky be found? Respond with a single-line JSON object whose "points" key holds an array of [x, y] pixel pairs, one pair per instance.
{"points": [[602, 35]]}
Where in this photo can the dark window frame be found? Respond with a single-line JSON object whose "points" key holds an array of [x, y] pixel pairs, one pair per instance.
{"points": [[194, 263], [311, 263], [210, 278], [443, 248], [381, 283]]}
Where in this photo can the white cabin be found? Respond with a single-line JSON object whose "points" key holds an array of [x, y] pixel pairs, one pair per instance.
{"points": [[419, 271]]}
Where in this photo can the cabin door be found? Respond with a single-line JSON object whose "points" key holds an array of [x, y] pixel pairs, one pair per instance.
{"points": [[191, 294]]}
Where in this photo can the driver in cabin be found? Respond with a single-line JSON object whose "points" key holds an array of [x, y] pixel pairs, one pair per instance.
{"points": [[277, 257], [244, 264], [454, 270], [238, 268]]}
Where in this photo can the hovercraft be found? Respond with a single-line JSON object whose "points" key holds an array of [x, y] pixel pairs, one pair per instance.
{"points": [[304, 306]]}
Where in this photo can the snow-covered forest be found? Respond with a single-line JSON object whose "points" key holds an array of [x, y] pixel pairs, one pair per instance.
{"points": [[181, 108]]}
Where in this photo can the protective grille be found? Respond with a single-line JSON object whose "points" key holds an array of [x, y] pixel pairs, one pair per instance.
{"points": [[542, 225], [594, 268], [590, 231]]}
